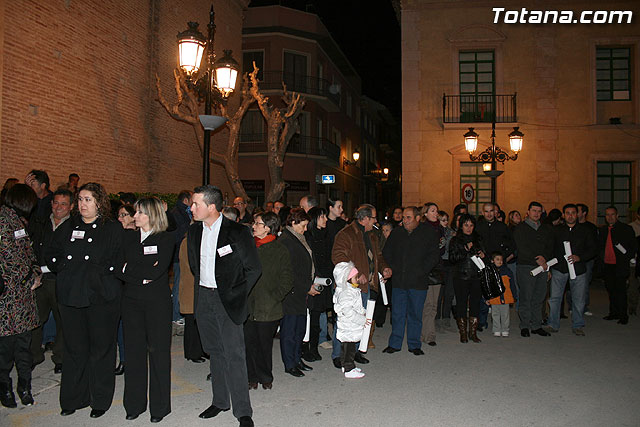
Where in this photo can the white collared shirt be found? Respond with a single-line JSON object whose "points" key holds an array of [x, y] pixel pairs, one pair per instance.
{"points": [[208, 253], [53, 222], [144, 234]]}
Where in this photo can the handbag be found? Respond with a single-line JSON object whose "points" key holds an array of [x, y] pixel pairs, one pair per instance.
{"points": [[436, 276], [491, 282]]}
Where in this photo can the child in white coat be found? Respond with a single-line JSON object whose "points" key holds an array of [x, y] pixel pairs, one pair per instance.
{"points": [[351, 316]]}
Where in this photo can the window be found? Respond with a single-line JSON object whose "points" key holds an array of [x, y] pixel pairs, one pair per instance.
{"points": [[613, 82], [614, 188], [252, 127], [248, 58], [477, 86], [471, 174], [295, 72], [349, 105], [335, 137]]}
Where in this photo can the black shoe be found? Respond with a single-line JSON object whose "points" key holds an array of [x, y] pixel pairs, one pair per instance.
{"points": [[361, 359], [295, 372], [304, 367], [480, 328], [209, 377], [97, 413], [610, 317], [337, 363], [563, 316], [66, 412], [623, 321], [541, 332], [156, 419], [311, 357], [120, 369], [24, 392], [7, 398], [198, 360], [58, 368], [246, 421], [432, 343], [211, 411], [131, 417], [525, 333], [390, 350], [416, 351], [379, 325]]}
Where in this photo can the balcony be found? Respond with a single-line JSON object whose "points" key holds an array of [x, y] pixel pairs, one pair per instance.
{"points": [[313, 87], [479, 108], [321, 148]]}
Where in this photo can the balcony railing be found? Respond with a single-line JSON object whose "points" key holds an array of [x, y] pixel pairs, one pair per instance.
{"points": [[299, 144], [298, 83], [479, 108]]}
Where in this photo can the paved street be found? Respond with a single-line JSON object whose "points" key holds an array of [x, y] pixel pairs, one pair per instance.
{"points": [[562, 380]]}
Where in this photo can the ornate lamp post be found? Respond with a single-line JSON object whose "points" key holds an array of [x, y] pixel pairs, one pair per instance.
{"points": [[356, 157], [216, 80], [492, 155]]}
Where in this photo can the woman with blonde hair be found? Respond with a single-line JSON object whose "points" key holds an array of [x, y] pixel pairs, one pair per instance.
{"points": [[147, 307]]}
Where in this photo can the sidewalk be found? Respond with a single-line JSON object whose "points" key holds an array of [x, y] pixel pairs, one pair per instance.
{"points": [[562, 380]]}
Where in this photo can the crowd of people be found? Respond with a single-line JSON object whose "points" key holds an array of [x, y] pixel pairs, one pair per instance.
{"points": [[115, 274]]}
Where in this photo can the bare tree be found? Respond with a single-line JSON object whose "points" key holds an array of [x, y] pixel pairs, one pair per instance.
{"points": [[282, 124], [186, 110]]}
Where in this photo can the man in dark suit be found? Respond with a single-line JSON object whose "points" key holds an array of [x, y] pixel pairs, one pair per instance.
{"points": [[225, 265], [618, 245]]}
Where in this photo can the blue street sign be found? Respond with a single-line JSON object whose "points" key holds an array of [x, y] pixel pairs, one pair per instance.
{"points": [[328, 179]]}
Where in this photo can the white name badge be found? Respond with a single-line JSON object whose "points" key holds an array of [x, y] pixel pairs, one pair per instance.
{"points": [[19, 234], [621, 248], [77, 234], [225, 250], [150, 250]]}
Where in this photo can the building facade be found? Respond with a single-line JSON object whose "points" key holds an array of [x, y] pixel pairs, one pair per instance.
{"points": [[294, 47], [78, 84], [573, 89]]}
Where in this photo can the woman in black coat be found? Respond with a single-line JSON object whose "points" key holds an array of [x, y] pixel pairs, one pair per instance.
{"points": [[319, 242], [466, 276], [84, 254], [294, 306], [147, 307]]}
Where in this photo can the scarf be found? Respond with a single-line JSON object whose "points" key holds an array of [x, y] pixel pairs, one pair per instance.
{"points": [[268, 238]]}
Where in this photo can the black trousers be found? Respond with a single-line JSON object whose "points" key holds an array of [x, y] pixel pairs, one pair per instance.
{"points": [[14, 349], [445, 299], [380, 312], [468, 294], [292, 329], [224, 341], [146, 325], [348, 355], [617, 290], [47, 302], [88, 377], [314, 330], [191, 339], [258, 341]]}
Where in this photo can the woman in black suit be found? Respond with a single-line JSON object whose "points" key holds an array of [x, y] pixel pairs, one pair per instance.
{"points": [[145, 258], [84, 253], [294, 306]]}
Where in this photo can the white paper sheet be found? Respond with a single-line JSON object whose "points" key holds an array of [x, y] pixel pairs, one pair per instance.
{"points": [[539, 268], [383, 289], [567, 253], [364, 341]]}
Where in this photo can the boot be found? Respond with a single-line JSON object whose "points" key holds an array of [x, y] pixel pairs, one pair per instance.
{"points": [[371, 344], [473, 329], [462, 328], [7, 398], [24, 392]]}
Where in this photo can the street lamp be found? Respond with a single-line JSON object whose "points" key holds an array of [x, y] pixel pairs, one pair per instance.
{"points": [[217, 75], [492, 155], [356, 157]]}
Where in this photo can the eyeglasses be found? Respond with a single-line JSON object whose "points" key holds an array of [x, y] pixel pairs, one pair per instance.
{"points": [[259, 223], [122, 215]]}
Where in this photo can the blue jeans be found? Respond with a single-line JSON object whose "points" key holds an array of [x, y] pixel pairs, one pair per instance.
{"points": [[337, 345], [578, 288], [323, 328], [175, 291], [407, 311]]}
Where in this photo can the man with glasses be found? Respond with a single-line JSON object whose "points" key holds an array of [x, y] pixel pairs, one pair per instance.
{"points": [[357, 244], [241, 204]]}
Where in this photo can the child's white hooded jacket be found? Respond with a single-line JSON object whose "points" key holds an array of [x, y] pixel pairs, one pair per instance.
{"points": [[347, 304]]}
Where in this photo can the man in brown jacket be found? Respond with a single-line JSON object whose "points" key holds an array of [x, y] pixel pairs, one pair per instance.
{"points": [[355, 243]]}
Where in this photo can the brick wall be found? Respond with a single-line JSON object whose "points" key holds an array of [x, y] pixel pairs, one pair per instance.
{"points": [[79, 95]]}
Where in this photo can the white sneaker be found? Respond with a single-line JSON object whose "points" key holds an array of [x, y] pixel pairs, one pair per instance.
{"points": [[179, 322], [496, 334], [588, 313], [354, 374], [505, 334], [326, 345], [354, 369]]}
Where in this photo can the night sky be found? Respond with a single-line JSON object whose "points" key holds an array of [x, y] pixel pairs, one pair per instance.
{"points": [[369, 35]]}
